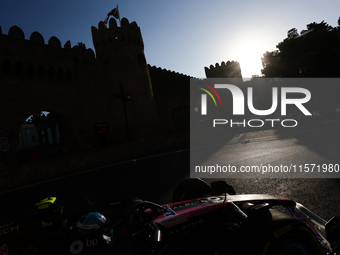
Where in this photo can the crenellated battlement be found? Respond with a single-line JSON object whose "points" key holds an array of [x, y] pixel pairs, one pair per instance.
{"points": [[32, 59], [163, 71], [126, 33], [37, 39], [17, 33], [225, 70]]}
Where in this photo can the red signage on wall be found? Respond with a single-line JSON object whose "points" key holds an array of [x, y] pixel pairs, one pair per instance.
{"points": [[102, 128]]}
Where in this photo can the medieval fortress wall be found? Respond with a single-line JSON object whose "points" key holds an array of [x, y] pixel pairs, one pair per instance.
{"points": [[113, 85], [231, 69]]}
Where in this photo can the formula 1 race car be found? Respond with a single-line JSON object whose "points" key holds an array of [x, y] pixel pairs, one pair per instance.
{"points": [[32, 229], [203, 219]]}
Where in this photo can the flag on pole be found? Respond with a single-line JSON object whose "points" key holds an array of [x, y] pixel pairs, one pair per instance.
{"points": [[114, 13]]}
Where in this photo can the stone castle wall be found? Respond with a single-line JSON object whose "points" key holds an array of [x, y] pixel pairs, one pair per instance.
{"points": [[225, 70], [115, 85], [172, 97]]}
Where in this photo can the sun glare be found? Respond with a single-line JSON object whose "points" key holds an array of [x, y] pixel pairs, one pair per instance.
{"points": [[249, 56]]}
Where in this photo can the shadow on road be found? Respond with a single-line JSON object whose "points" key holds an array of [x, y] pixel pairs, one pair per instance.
{"points": [[150, 179], [324, 141], [207, 146]]}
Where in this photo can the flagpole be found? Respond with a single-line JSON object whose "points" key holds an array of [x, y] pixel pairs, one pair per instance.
{"points": [[118, 15]]}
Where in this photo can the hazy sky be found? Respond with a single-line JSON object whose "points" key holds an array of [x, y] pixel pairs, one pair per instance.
{"points": [[182, 36]]}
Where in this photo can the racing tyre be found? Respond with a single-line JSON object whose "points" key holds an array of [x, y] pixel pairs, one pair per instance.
{"points": [[276, 233], [190, 189], [302, 242]]}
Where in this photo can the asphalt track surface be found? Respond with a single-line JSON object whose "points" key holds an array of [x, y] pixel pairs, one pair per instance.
{"points": [[154, 178], [311, 145]]}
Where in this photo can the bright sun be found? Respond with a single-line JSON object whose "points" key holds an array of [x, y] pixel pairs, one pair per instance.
{"points": [[249, 55]]}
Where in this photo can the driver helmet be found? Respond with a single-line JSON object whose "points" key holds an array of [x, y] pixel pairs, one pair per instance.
{"points": [[90, 222]]}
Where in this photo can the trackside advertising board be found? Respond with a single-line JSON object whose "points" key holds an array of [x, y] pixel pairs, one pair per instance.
{"points": [[265, 128]]}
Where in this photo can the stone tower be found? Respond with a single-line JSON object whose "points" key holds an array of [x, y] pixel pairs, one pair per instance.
{"points": [[124, 71], [225, 70]]}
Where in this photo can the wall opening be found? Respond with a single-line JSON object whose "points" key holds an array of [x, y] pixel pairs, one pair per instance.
{"points": [[41, 137]]}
